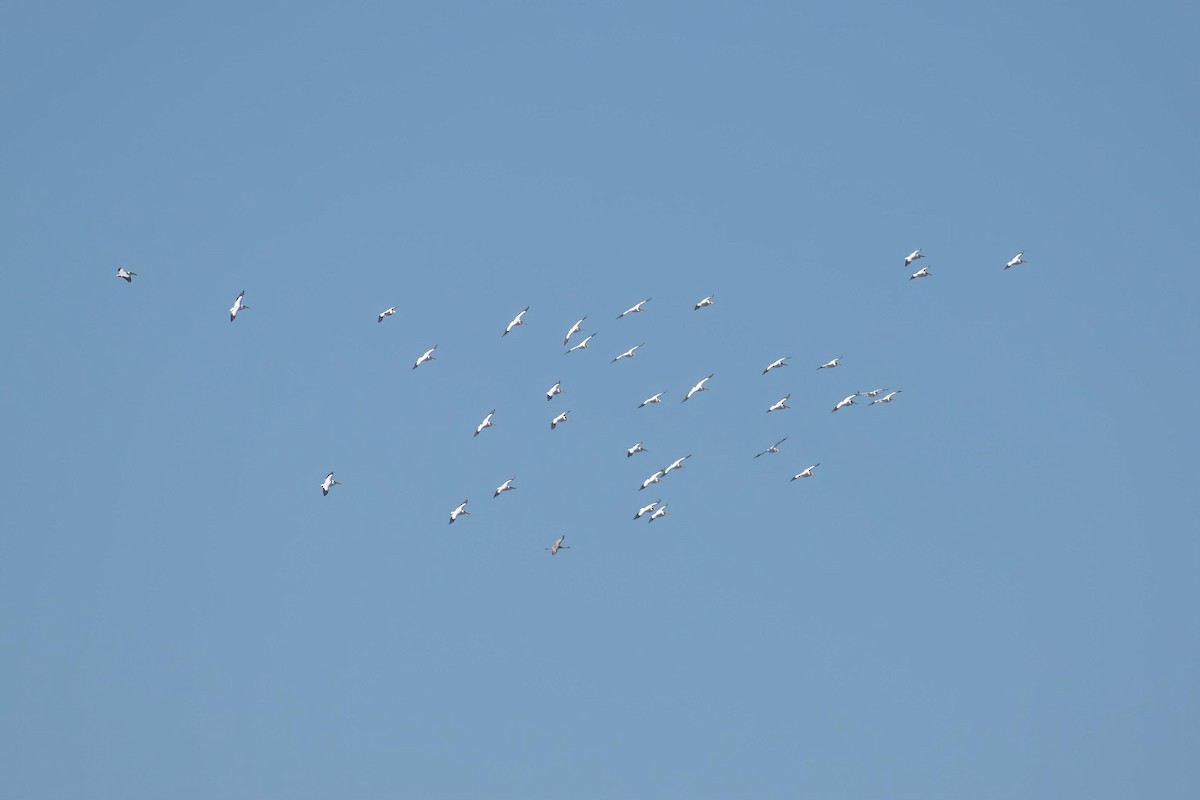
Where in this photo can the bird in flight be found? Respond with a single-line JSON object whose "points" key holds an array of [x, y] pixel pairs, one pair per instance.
{"points": [[705, 303], [807, 473], [773, 448], [125, 274], [581, 346], [328, 484], [458, 511], [554, 423], [630, 353], [655, 478], [637, 309], [923, 272], [517, 320], [699, 387], [831, 364], [661, 511], [887, 398], [913, 256], [776, 364], [676, 464], [387, 312], [558, 545], [654, 398], [1019, 258], [780, 404], [238, 305], [847, 401], [487, 423], [504, 487], [872, 393], [637, 448], [576, 328], [426, 356], [553, 390], [646, 509]]}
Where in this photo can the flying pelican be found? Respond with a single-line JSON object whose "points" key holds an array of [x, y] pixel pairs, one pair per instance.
{"points": [[582, 345], [426, 356], [887, 398], [458, 511], [487, 423], [848, 401], [923, 272], [553, 390], [328, 484], [676, 464], [637, 448], [780, 405], [560, 418], [779, 362], [773, 448], [1017, 259], [630, 353], [386, 313], [238, 305], [558, 545], [646, 509], [516, 321], [872, 393], [699, 387], [808, 473], [705, 303], [576, 328], [655, 478], [637, 309], [504, 487], [913, 256], [830, 364], [126, 274], [661, 511], [656, 398]]}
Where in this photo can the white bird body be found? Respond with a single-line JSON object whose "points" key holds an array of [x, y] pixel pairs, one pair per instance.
{"points": [[846, 401], [699, 387], [780, 404], [238, 305], [328, 484], [426, 356], [387, 312], [630, 353], [676, 464], [661, 511], [576, 328], [887, 398], [705, 303], [654, 398], [776, 364], [558, 545], [125, 274], [458, 511], [487, 423], [773, 448], [655, 478], [637, 448], [1019, 258], [807, 473], [554, 423], [553, 390], [517, 320], [913, 256], [504, 487], [646, 509], [637, 309], [923, 272], [582, 345], [831, 363]]}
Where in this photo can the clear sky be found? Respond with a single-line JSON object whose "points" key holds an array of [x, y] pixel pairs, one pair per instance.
{"points": [[987, 590]]}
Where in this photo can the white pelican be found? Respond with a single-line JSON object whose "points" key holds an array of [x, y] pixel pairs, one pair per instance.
{"points": [[779, 362], [554, 423], [773, 448], [637, 309], [582, 345], [487, 423], [654, 398], [923, 272], [913, 256], [699, 387], [887, 398], [646, 509], [1017, 259], [630, 353], [705, 303], [126, 274], [238, 305], [558, 545], [872, 393], [780, 404], [637, 448], [516, 321], [504, 487], [831, 364], [661, 511], [847, 401], [426, 356], [576, 328], [387, 312], [676, 464], [655, 478], [808, 473], [458, 511], [553, 390], [328, 484]]}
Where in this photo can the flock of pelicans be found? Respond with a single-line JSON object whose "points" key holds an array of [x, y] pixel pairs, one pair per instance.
{"points": [[656, 509]]}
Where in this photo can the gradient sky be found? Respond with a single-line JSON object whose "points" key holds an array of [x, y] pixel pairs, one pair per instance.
{"points": [[987, 590]]}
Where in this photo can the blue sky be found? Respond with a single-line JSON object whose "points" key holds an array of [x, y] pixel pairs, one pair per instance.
{"points": [[987, 589]]}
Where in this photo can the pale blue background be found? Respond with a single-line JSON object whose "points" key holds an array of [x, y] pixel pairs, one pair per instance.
{"points": [[988, 590]]}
